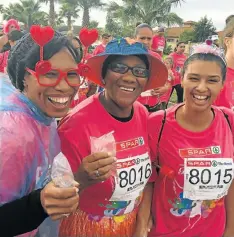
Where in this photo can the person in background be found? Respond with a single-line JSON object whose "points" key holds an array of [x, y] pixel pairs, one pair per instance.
{"points": [[178, 58], [150, 99], [86, 90], [13, 37], [159, 41], [226, 97], [164, 99], [193, 146], [144, 35], [9, 26], [101, 48]]}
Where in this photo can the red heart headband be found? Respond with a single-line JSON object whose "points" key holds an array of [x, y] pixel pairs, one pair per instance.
{"points": [[43, 35], [87, 38]]}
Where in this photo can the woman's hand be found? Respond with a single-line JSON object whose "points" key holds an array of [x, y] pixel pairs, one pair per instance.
{"points": [[95, 168], [59, 202]]}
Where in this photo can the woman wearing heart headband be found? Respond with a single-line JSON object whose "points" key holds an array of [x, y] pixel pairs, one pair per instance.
{"points": [[114, 177], [194, 193], [45, 74], [226, 97]]}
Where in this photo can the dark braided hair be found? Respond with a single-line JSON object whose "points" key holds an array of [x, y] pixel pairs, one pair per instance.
{"points": [[26, 53]]}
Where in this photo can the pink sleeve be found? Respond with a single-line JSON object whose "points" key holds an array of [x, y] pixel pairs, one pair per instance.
{"points": [[73, 142], [17, 156]]}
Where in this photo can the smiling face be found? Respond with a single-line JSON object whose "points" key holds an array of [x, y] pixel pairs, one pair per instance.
{"points": [[202, 83], [53, 101], [144, 36], [122, 90]]}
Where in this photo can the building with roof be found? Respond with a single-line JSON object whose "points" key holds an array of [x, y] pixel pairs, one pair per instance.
{"points": [[173, 33]]}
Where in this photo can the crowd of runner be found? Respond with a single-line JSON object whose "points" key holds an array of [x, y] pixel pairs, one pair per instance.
{"points": [[119, 162]]}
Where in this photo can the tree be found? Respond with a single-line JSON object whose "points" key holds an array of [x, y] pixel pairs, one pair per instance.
{"points": [[153, 12], [187, 35], [112, 27], [87, 5], [69, 10], [168, 49], [1, 8], [27, 12], [52, 14], [93, 24], [172, 19], [203, 29]]}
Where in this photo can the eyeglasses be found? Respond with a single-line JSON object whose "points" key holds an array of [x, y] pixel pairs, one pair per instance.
{"points": [[54, 76], [122, 69]]}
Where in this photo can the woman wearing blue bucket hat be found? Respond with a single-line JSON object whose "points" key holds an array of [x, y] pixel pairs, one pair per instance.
{"points": [[105, 139]]}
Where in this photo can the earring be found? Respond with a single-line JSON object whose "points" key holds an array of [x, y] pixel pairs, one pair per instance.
{"points": [[103, 82]]}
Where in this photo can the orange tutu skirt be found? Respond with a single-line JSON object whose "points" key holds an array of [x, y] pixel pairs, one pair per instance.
{"points": [[79, 225]]}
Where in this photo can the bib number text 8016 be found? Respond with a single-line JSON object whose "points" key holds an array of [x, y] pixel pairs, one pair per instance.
{"points": [[129, 177]]}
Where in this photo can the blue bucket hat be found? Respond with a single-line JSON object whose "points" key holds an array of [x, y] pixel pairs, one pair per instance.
{"points": [[158, 72]]}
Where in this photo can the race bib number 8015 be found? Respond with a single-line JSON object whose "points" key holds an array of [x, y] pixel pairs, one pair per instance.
{"points": [[207, 178]]}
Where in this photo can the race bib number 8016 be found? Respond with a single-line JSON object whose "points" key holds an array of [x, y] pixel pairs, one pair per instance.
{"points": [[132, 176], [207, 178]]}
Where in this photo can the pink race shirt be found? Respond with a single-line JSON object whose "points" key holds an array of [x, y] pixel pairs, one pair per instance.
{"points": [[99, 49], [226, 97], [175, 214], [158, 44], [147, 98], [90, 119], [179, 60]]}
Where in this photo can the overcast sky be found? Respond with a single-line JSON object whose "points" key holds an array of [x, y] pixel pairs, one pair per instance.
{"points": [[193, 10]]}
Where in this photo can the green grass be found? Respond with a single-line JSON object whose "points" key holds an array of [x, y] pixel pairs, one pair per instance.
{"points": [[173, 98]]}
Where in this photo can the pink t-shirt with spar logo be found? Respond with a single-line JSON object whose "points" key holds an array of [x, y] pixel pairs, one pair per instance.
{"points": [[118, 195], [226, 97], [195, 167], [179, 60], [158, 44]]}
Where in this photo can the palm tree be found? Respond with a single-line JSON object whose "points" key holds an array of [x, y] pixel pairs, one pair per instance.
{"points": [[153, 12], [52, 13], [87, 5], [27, 12], [172, 19], [69, 10]]}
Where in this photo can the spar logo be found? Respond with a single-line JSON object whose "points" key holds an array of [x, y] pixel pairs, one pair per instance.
{"points": [[207, 151], [130, 144], [199, 163], [214, 163]]}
